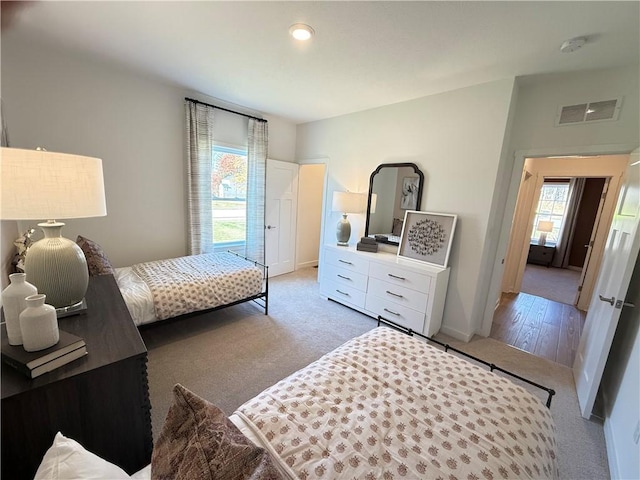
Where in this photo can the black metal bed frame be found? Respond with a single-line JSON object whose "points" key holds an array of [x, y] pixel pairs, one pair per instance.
{"points": [[260, 297], [447, 347]]}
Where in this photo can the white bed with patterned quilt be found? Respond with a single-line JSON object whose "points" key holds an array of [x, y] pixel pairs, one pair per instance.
{"points": [[384, 405], [164, 289]]}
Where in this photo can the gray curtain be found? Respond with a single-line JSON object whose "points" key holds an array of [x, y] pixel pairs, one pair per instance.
{"points": [[199, 132], [576, 189], [257, 146]]}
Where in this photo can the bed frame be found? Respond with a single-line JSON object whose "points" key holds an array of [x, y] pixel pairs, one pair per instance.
{"points": [[262, 298], [447, 347]]}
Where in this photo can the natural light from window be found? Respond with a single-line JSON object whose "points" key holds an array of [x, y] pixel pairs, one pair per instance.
{"points": [[229, 196], [552, 206]]}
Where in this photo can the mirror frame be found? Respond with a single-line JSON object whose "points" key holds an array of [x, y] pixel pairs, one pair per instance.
{"points": [[371, 178]]}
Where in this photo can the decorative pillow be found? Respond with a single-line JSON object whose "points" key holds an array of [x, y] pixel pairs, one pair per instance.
{"points": [[397, 227], [97, 261], [198, 441], [67, 459]]}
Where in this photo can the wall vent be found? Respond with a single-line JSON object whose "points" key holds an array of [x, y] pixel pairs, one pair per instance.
{"points": [[602, 111]]}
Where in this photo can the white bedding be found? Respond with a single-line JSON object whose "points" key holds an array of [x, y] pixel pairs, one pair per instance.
{"points": [[136, 295], [172, 287], [386, 405]]}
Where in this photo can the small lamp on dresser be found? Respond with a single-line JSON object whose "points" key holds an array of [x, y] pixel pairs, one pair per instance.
{"points": [[42, 185], [346, 203], [544, 227]]}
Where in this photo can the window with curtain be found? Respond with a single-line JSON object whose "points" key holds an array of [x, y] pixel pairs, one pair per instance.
{"points": [[226, 186], [552, 206]]}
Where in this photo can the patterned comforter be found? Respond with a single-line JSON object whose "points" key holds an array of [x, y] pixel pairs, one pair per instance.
{"points": [[198, 282], [388, 406]]}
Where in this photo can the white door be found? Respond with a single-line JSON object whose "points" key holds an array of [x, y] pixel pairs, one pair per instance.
{"points": [[280, 216], [618, 261]]}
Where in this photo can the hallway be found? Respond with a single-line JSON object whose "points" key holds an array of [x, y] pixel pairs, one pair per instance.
{"points": [[539, 326]]}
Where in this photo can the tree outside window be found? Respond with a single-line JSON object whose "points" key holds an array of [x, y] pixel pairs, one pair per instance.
{"points": [[229, 196]]}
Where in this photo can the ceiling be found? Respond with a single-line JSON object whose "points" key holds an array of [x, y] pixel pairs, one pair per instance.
{"points": [[363, 55]]}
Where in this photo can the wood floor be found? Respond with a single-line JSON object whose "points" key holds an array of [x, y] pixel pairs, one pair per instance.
{"points": [[539, 326]]}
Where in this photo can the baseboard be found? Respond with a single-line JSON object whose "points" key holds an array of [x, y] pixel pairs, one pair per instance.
{"points": [[452, 332], [312, 263]]}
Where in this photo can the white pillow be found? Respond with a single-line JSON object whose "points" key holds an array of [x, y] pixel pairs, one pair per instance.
{"points": [[66, 459]]}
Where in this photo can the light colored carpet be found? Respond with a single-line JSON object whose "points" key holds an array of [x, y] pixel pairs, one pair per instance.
{"points": [[231, 355], [557, 284]]}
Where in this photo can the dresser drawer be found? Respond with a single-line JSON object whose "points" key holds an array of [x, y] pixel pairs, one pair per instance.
{"points": [[398, 294], [347, 260], [345, 294], [338, 277], [397, 275], [407, 317]]}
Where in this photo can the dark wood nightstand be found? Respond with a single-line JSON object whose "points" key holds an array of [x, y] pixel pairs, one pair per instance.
{"points": [[541, 254], [100, 400]]}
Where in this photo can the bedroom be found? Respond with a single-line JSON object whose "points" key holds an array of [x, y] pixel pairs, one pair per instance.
{"points": [[69, 101]]}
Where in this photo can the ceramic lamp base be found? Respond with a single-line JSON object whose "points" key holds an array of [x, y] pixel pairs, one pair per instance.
{"points": [[343, 231]]}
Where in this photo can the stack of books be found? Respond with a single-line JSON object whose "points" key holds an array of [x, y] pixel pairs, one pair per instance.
{"points": [[33, 364], [367, 244]]}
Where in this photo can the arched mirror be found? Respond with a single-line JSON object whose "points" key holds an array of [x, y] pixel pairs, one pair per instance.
{"points": [[393, 189]]}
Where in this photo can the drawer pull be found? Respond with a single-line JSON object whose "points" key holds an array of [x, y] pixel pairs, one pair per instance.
{"points": [[396, 276], [342, 293], [344, 261], [395, 294], [391, 312], [343, 277]]}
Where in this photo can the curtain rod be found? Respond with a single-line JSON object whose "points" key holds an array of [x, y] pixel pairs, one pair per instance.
{"points": [[225, 109]]}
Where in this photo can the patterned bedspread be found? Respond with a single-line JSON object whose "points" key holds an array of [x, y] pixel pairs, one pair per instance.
{"points": [[198, 282], [388, 406]]}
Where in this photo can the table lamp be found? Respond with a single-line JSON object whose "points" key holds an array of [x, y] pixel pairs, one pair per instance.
{"points": [[345, 203], [39, 185], [544, 227]]}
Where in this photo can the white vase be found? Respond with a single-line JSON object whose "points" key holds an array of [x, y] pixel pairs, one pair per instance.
{"points": [[39, 324], [13, 303]]}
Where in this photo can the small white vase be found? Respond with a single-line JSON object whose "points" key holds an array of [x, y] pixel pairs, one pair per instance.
{"points": [[13, 303], [39, 324]]}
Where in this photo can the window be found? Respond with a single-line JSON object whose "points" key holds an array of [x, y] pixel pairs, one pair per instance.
{"points": [[229, 196], [552, 207]]}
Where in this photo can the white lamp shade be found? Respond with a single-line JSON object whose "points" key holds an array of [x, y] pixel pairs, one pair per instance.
{"points": [[545, 226], [348, 202], [41, 185]]}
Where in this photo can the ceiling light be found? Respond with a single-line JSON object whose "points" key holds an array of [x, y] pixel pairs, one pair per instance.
{"points": [[573, 44], [300, 31]]}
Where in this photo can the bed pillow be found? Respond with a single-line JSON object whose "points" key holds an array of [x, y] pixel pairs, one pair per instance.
{"points": [[67, 459], [199, 441], [97, 261]]}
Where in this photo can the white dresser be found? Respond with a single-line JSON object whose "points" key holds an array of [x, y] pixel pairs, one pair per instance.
{"points": [[411, 294]]}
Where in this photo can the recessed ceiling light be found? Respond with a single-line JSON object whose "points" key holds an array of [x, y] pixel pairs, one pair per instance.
{"points": [[300, 31]]}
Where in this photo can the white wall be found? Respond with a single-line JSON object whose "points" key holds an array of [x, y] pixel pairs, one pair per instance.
{"points": [[135, 124], [451, 140]]}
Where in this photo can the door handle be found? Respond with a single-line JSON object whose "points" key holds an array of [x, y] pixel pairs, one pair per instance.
{"points": [[620, 304], [269, 227], [611, 300]]}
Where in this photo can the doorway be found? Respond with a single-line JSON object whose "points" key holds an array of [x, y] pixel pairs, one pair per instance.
{"points": [[570, 208], [549, 328]]}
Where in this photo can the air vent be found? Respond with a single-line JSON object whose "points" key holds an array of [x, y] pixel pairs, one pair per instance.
{"points": [[602, 111]]}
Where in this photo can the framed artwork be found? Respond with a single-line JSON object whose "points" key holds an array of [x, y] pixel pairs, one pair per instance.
{"points": [[409, 194], [427, 237]]}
